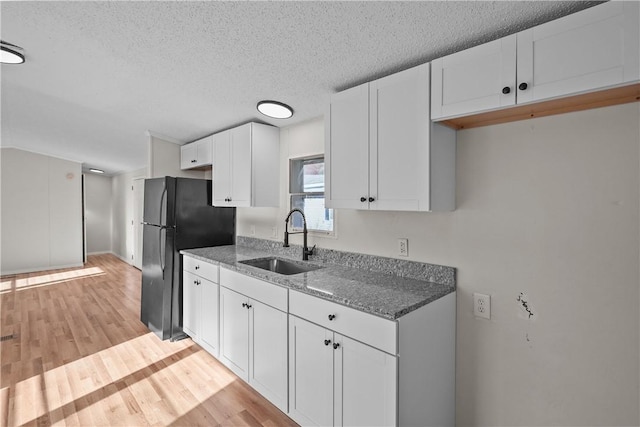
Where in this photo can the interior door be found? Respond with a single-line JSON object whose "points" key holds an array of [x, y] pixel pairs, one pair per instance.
{"points": [[138, 206]]}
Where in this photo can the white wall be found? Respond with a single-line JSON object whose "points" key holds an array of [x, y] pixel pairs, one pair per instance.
{"points": [[164, 160], [122, 243], [97, 213], [548, 207], [41, 212]]}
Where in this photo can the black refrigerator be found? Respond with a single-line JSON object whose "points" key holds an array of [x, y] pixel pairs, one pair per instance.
{"points": [[177, 215]]}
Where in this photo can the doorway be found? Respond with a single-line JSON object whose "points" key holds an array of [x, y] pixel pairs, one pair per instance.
{"points": [[138, 206]]}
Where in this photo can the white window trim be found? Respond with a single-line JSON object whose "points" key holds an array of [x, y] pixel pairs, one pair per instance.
{"points": [[318, 233]]}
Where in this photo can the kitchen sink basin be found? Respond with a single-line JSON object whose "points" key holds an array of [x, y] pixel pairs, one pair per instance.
{"points": [[280, 266]]}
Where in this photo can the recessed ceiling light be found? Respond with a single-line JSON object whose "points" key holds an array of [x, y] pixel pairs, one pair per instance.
{"points": [[96, 170], [10, 53], [275, 109]]}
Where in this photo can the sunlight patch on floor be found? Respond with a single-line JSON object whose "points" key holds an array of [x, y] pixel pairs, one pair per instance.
{"points": [[145, 368], [9, 284]]}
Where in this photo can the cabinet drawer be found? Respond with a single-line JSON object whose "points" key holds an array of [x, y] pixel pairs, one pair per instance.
{"points": [[257, 289], [364, 327], [200, 268]]}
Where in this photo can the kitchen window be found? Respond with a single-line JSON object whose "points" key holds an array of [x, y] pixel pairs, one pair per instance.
{"points": [[306, 186]]}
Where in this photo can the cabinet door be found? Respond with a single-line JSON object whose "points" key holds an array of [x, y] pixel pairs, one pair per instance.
{"points": [[234, 332], [347, 149], [595, 48], [268, 352], [209, 309], [204, 148], [241, 166], [221, 168], [474, 80], [190, 304], [399, 143], [365, 385], [310, 373], [188, 156]]}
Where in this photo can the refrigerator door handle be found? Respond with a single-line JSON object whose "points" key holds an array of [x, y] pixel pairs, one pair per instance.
{"points": [[163, 209], [161, 249]]}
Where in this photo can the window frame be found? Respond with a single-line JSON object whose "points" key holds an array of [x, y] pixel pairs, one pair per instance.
{"points": [[293, 182]]}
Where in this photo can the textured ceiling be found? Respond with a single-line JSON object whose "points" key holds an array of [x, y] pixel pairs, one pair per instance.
{"points": [[99, 74]]}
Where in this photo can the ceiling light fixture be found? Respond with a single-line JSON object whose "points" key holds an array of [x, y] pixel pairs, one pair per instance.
{"points": [[275, 109], [96, 170], [10, 53]]}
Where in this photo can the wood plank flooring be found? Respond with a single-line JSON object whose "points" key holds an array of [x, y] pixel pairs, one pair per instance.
{"points": [[80, 356]]}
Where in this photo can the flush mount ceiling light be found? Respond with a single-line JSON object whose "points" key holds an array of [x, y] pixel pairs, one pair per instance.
{"points": [[96, 170], [275, 109], [10, 53]]}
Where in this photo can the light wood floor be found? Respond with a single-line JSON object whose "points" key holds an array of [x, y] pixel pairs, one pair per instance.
{"points": [[81, 356]]}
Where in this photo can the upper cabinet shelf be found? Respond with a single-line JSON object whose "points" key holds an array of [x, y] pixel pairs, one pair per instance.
{"points": [[196, 154], [576, 62]]}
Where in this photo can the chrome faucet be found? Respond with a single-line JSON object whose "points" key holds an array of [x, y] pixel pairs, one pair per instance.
{"points": [[305, 250]]}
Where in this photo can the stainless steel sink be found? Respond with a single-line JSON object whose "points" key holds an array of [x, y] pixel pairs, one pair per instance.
{"points": [[280, 266]]}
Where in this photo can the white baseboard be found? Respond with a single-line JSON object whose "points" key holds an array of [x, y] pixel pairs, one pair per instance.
{"points": [[100, 253], [122, 258], [43, 268]]}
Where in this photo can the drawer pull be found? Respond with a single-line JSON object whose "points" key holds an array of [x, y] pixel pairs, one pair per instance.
{"points": [[245, 305], [336, 345], [332, 316], [197, 267], [327, 342], [197, 282]]}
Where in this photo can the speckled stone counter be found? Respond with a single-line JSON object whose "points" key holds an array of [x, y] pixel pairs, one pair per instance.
{"points": [[368, 289]]}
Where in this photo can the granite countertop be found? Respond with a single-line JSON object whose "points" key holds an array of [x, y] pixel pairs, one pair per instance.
{"points": [[385, 295]]}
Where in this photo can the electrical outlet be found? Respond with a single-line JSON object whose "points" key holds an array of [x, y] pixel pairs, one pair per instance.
{"points": [[274, 232], [403, 247], [482, 305], [252, 230]]}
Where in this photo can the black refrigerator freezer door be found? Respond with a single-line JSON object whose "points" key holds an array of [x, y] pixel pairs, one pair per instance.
{"points": [[157, 279], [159, 201], [198, 224]]}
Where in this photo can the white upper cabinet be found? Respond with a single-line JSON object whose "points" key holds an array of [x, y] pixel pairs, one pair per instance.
{"points": [[196, 154], [383, 153], [246, 166], [347, 149], [476, 79], [594, 49]]}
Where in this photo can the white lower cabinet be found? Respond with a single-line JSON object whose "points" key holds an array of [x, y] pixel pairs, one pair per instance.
{"points": [[200, 303], [322, 363], [253, 334], [335, 380]]}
